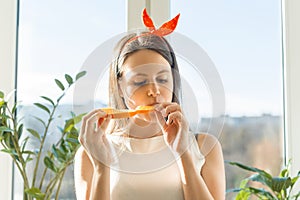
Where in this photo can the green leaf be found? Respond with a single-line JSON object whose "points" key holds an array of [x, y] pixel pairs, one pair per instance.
{"points": [[69, 79], [281, 183], [243, 194], [49, 164], [262, 192], [40, 120], [284, 173], [14, 108], [69, 124], [58, 154], [294, 180], [5, 129], [34, 133], [48, 99], [244, 183], [24, 142], [10, 151], [35, 193], [262, 179], [80, 74], [78, 118], [59, 84], [41, 106], [252, 169], [28, 152], [1, 95], [20, 131], [2, 102], [72, 141]]}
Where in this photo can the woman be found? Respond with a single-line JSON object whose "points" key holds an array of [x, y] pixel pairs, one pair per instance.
{"points": [[112, 163]]}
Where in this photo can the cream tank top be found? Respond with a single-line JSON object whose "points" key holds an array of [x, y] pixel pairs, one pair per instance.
{"points": [[146, 169]]}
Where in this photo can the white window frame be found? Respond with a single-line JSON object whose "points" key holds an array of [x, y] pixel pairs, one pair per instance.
{"points": [[8, 30], [291, 72], [291, 48]]}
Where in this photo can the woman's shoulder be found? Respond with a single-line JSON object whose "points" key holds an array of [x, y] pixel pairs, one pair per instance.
{"points": [[81, 156], [207, 143]]}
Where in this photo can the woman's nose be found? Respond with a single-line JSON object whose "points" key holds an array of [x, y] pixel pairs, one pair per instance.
{"points": [[153, 90]]}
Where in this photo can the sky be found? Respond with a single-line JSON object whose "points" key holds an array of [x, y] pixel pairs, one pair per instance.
{"points": [[242, 38]]}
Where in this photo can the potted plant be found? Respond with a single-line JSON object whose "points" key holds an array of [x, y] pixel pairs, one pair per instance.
{"points": [[14, 139], [274, 187]]}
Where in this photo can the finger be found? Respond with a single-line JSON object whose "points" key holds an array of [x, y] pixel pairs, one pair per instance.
{"points": [[167, 107], [103, 126], [87, 116], [159, 118], [172, 108], [174, 117]]}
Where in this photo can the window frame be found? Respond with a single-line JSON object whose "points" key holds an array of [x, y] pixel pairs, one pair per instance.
{"points": [[8, 63], [291, 46]]}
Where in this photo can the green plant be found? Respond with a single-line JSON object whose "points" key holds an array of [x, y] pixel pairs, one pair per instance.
{"points": [[275, 187], [58, 157]]}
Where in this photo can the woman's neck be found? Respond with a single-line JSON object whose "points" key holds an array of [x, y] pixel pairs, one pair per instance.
{"points": [[139, 128]]}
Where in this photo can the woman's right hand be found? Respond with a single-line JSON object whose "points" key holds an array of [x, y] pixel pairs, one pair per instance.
{"points": [[93, 137]]}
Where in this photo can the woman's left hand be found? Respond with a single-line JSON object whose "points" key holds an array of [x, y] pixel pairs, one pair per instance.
{"points": [[175, 129]]}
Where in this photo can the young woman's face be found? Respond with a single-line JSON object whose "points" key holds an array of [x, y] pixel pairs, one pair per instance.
{"points": [[146, 79]]}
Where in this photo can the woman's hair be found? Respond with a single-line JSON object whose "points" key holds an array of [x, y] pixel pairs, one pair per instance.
{"points": [[128, 45]]}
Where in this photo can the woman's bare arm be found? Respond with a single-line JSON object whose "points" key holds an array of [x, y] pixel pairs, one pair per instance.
{"points": [[83, 174], [92, 179], [210, 182]]}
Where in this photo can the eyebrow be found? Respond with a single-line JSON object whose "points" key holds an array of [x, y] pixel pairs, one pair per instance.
{"points": [[142, 74]]}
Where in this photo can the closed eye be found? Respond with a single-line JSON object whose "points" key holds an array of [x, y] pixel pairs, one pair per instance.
{"points": [[161, 80], [139, 83]]}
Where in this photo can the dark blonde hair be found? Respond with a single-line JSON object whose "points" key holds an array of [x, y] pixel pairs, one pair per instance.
{"points": [[128, 45]]}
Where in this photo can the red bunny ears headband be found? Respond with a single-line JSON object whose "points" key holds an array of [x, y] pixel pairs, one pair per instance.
{"points": [[165, 29]]}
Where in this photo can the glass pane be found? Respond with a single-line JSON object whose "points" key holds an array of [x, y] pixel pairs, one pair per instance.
{"points": [[243, 39], [55, 38]]}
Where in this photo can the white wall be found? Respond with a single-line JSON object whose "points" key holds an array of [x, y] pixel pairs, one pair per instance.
{"points": [[7, 78]]}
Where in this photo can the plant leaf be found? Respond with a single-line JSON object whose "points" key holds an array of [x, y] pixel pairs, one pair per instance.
{"points": [[34, 133], [284, 173], [5, 129], [20, 131], [78, 118], [80, 74], [1, 95], [59, 84], [35, 193], [69, 79], [48, 99], [262, 179], [243, 194], [24, 142], [294, 180], [281, 183], [40, 120], [262, 192], [2, 103], [41, 106], [252, 169], [49, 164]]}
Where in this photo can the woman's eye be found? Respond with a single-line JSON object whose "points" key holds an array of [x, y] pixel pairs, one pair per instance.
{"points": [[139, 83], [162, 80]]}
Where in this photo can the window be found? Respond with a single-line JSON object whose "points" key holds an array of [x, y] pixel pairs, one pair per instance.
{"points": [[55, 38], [243, 39]]}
